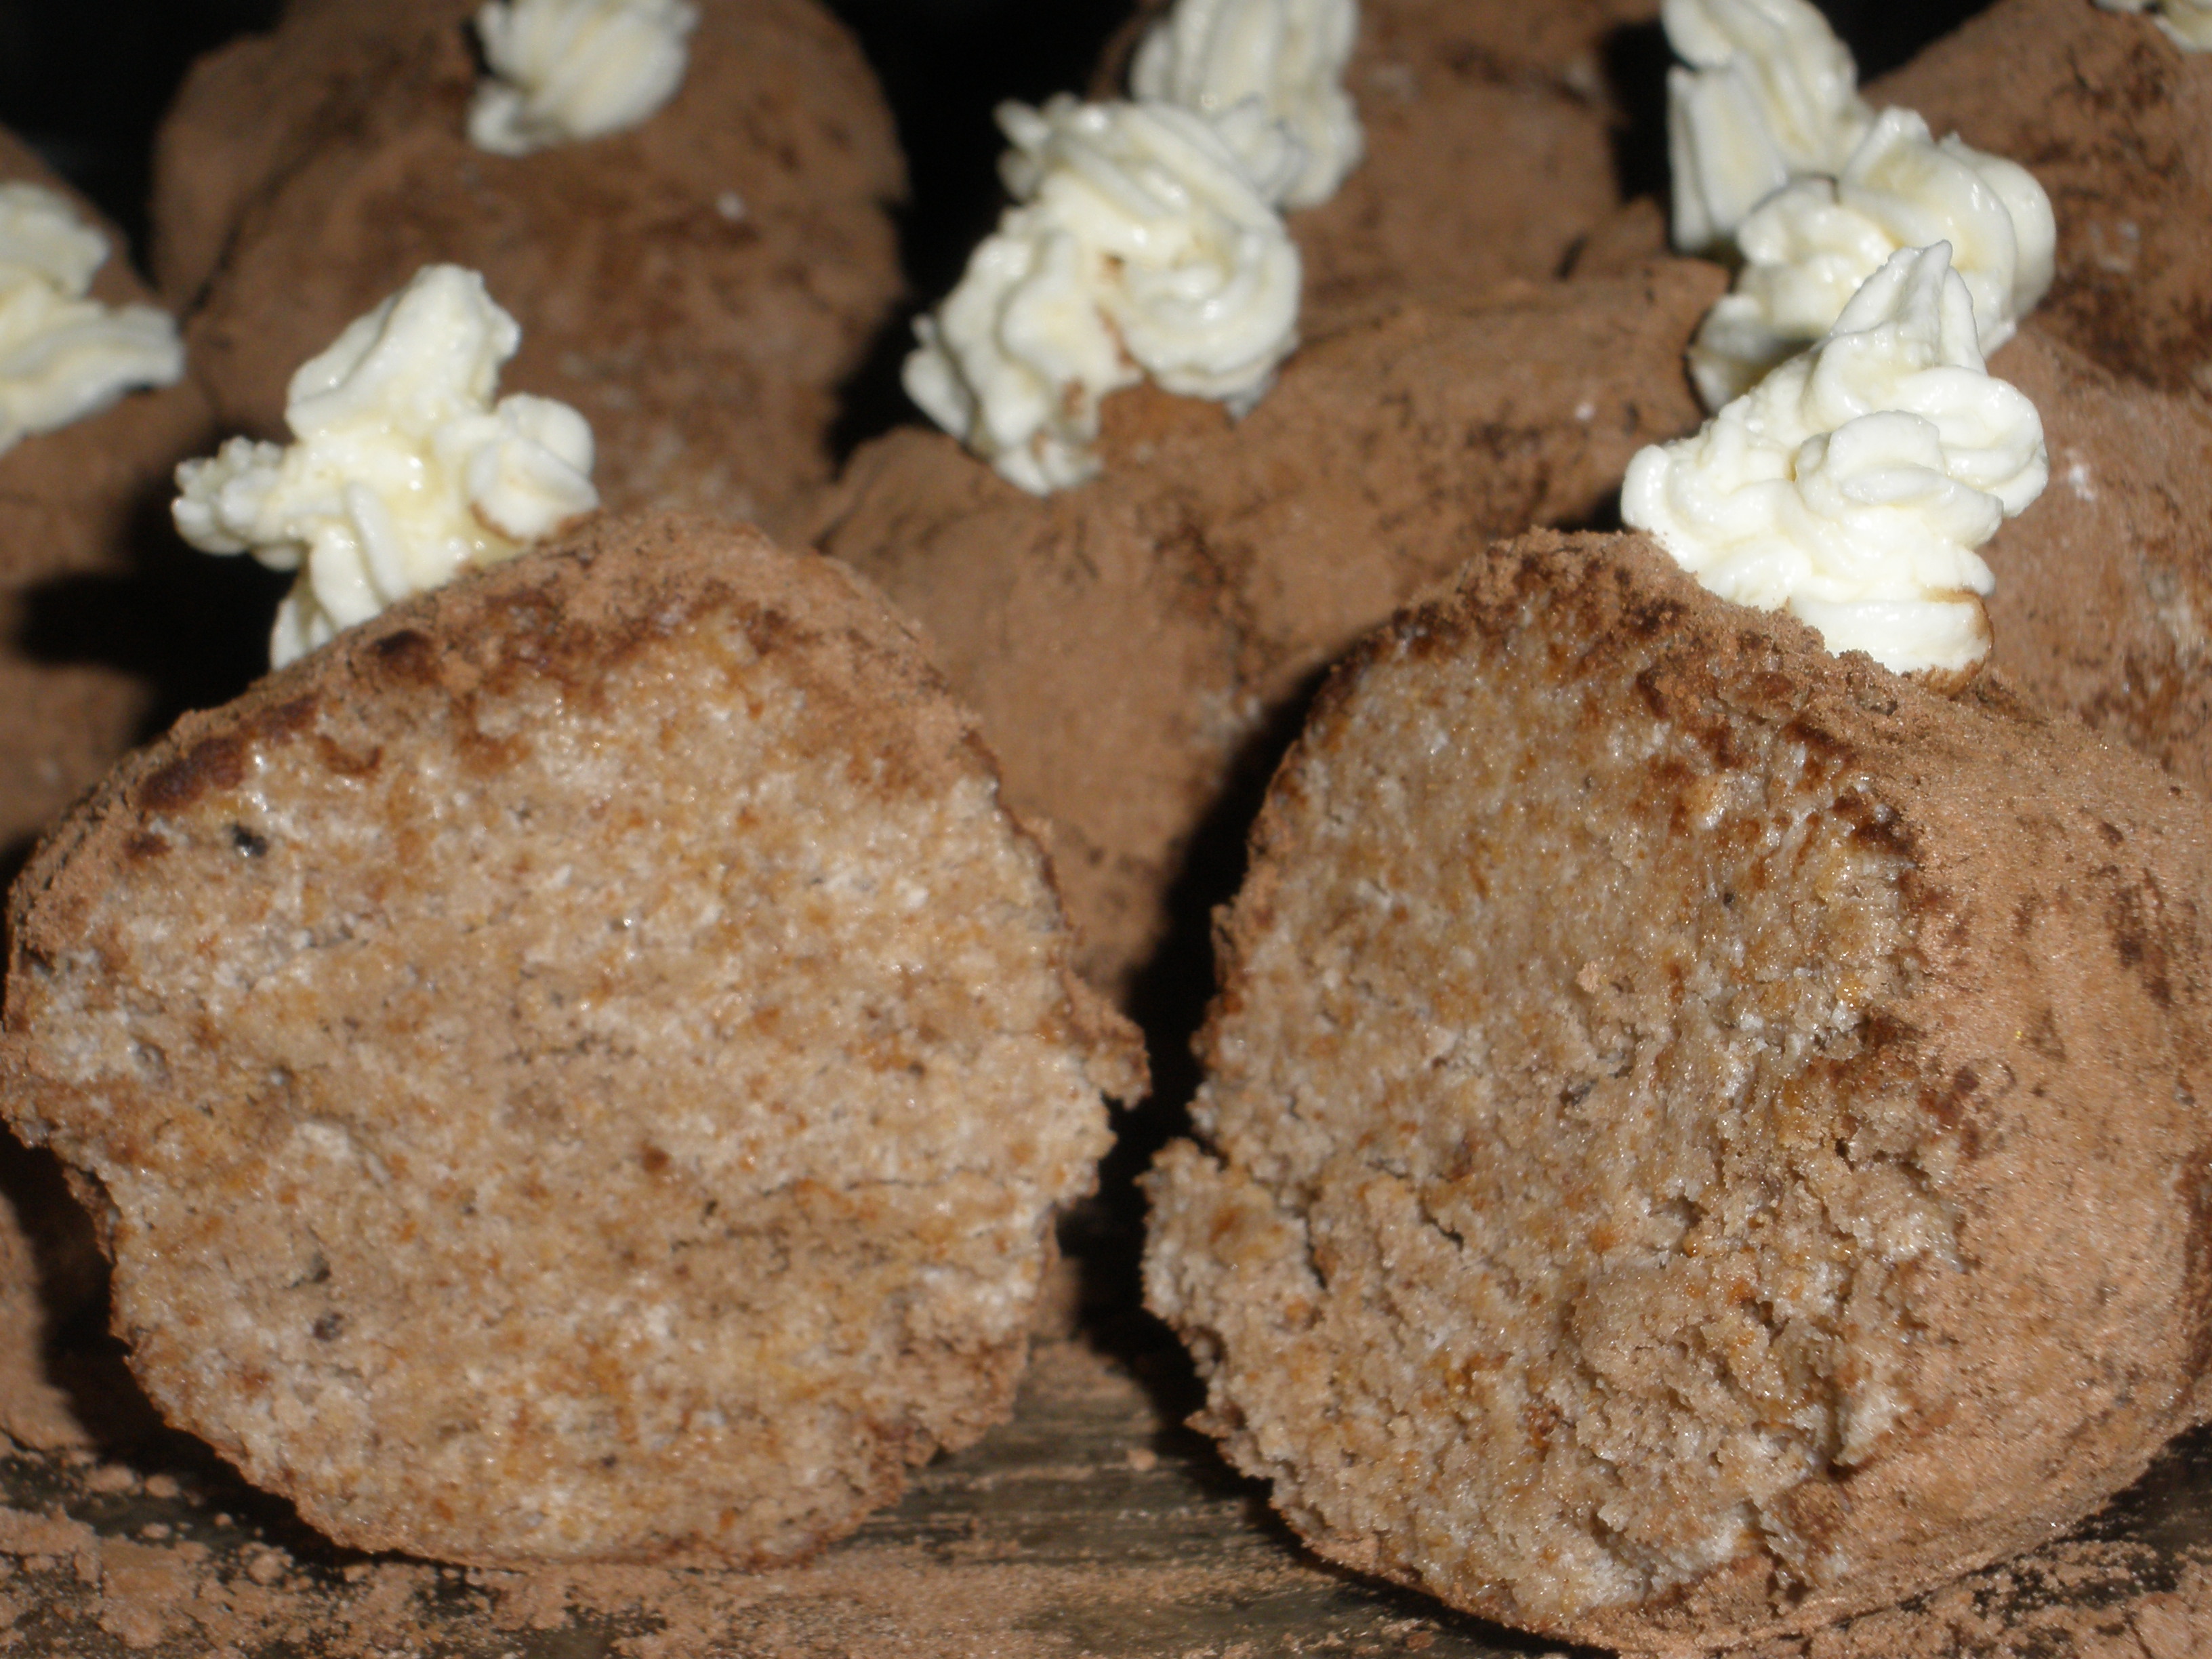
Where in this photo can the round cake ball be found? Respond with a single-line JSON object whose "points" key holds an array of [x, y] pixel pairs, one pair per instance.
{"points": [[1701, 1136], [580, 1067], [76, 504], [1131, 645], [696, 285], [2115, 122]]}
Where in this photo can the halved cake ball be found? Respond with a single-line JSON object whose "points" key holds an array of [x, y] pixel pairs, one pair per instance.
{"points": [[1702, 1135], [74, 502], [697, 284], [580, 1067], [1128, 642]]}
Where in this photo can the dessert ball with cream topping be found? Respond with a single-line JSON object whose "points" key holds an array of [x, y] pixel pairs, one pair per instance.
{"points": [[1141, 245], [92, 416], [581, 1067], [1701, 1135], [2114, 120], [696, 278]]}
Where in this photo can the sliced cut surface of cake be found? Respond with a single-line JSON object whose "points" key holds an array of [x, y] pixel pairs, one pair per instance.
{"points": [[1701, 1136], [580, 1067], [1127, 642]]}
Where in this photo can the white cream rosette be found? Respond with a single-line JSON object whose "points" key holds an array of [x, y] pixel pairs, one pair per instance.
{"points": [[1770, 94], [404, 472], [564, 70], [65, 356], [1853, 484], [1809, 247], [1138, 246], [1247, 63]]}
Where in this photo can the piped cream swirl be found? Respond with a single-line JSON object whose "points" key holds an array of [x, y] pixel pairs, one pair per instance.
{"points": [[564, 70], [1853, 484], [1809, 247], [404, 472], [1244, 63], [1770, 94], [62, 354], [1138, 246]]}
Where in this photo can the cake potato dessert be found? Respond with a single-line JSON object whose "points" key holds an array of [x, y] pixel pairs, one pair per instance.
{"points": [[2115, 122], [580, 1067], [1701, 1136], [696, 286]]}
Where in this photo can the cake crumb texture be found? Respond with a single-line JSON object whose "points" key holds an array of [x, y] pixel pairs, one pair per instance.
{"points": [[1130, 646], [581, 1068], [1140, 1551], [1700, 1136]]}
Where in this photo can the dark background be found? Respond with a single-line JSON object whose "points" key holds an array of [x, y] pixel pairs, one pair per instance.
{"points": [[85, 81]]}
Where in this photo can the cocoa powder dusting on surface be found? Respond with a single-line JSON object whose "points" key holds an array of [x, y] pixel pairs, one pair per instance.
{"points": [[1089, 1528]]}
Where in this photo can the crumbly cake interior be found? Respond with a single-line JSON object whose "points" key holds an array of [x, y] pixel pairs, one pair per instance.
{"points": [[1561, 1226], [629, 1124]]}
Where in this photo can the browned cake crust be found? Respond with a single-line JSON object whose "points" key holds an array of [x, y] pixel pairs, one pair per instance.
{"points": [[302, 177], [2114, 121], [581, 1067], [1123, 643], [1701, 1136], [2104, 589], [71, 501]]}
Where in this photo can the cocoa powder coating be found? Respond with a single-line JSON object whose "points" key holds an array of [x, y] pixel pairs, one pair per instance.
{"points": [[2104, 587]]}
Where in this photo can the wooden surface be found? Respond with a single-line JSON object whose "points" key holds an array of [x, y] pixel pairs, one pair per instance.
{"points": [[1091, 1525]]}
